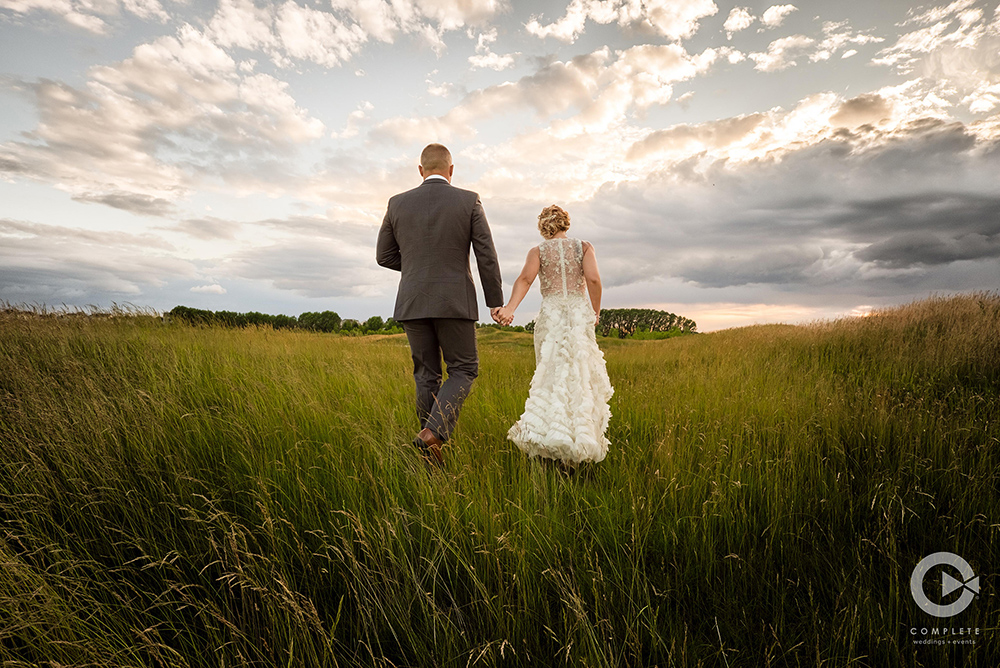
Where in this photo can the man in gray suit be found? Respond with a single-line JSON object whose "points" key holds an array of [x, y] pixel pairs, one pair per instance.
{"points": [[426, 235]]}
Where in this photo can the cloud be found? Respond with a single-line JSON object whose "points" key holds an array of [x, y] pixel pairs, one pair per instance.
{"points": [[686, 140], [867, 212], [785, 52], [289, 32], [739, 19], [485, 58], [601, 88], [54, 263], [143, 205], [354, 121], [968, 29], [140, 133], [315, 257], [673, 19], [774, 15], [868, 108], [208, 228], [782, 53], [90, 16], [958, 49], [929, 248], [213, 289], [836, 36]]}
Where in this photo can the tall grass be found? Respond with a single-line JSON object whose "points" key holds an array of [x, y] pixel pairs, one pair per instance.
{"points": [[182, 496]]}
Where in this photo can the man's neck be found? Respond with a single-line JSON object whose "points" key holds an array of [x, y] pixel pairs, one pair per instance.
{"points": [[436, 176]]}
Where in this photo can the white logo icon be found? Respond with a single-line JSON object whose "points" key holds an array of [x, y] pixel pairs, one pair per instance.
{"points": [[969, 584]]}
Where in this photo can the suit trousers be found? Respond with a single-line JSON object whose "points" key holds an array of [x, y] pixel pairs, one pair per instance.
{"points": [[431, 339]]}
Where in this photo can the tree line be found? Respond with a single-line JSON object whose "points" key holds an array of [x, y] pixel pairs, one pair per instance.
{"points": [[632, 323], [325, 321], [636, 323], [628, 322]]}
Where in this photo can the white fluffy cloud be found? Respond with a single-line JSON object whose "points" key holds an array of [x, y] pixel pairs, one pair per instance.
{"points": [[485, 58], [673, 19], [288, 31], [739, 19], [782, 53], [775, 15], [120, 139], [958, 25], [212, 289], [91, 15], [600, 87], [957, 47], [787, 51]]}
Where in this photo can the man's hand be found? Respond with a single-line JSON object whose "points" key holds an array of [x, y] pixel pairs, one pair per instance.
{"points": [[501, 315]]}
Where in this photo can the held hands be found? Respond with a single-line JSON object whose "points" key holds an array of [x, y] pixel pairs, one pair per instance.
{"points": [[502, 315]]}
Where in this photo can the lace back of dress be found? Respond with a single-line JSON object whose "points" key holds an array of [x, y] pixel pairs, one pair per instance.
{"points": [[561, 267]]}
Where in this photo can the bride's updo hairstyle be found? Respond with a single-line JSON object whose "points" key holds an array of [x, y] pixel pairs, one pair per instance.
{"points": [[553, 220]]}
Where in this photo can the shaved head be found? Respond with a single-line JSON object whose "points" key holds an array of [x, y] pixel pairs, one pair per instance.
{"points": [[435, 158]]}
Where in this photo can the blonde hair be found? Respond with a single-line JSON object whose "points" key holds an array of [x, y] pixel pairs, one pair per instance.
{"points": [[553, 220]]}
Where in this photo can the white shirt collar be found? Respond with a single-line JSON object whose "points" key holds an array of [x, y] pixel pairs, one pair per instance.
{"points": [[435, 176]]}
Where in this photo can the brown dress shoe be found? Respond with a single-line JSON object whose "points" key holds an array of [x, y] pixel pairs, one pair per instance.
{"points": [[431, 447]]}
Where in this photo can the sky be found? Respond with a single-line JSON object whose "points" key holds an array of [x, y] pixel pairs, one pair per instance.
{"points": [[732, 163]]}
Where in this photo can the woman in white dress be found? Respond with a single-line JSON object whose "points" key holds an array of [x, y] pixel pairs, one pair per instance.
{"points": [[567, 411]]}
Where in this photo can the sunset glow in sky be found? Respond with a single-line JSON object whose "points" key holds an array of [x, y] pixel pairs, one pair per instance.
{"points": [[731, 163]]}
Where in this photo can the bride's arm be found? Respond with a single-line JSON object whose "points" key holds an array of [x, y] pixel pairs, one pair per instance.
{"points": [[523, 282], [592, 276]]}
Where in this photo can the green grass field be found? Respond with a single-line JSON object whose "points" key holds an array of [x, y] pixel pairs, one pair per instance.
{"points": [[182, 496]]}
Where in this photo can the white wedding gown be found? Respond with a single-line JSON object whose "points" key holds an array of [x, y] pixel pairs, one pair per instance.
{"points": [[567, 411]]}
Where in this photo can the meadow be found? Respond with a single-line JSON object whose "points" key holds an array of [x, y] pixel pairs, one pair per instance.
{"points": [[175, 495]]}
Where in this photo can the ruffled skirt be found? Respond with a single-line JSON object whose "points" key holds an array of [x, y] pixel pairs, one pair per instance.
{"points": [[567, 410]]}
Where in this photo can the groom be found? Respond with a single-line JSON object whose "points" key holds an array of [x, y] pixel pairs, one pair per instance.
{"points": [[426, 235]]}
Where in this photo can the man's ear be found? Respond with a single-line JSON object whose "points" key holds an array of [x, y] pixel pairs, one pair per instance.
{"points": [[451, 171], [420, 168]]}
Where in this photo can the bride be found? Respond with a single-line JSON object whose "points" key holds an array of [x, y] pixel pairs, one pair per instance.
{"points": [[567, 412]]}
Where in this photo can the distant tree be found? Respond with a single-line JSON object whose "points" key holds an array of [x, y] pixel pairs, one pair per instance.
{"points": [[327, 321], [628, 321], [284, 322], [193, 315]]}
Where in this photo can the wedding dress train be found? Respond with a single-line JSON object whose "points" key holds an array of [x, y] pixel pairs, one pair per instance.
{"points": [[567, 411]]}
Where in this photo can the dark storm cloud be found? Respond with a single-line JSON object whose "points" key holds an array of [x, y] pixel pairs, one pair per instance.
{"points": [[927, 248], [949, 212], [860, 213]]}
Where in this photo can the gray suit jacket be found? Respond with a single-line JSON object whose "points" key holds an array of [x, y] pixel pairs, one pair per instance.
{"points": [[426, 235]]}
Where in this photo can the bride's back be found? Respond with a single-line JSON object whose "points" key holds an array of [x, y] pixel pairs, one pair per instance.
{"points": [[560, 270]]}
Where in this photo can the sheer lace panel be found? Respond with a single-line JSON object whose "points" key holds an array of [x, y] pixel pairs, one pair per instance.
{"points": [[561, 267]]}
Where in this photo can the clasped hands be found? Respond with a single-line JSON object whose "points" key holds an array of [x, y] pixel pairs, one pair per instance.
{"points": [[502, 315]]}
